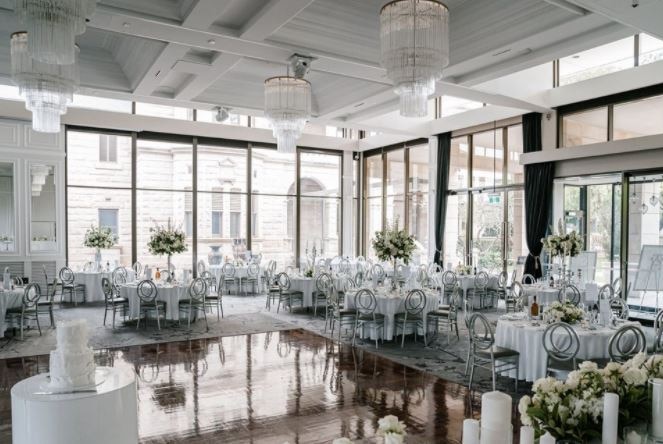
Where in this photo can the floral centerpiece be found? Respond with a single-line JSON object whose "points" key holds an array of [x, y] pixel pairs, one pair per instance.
{"points": [[99, 238], [463, 269], [392, 244], [564, 312], [563, 244], [166, 241], [573, 409]]}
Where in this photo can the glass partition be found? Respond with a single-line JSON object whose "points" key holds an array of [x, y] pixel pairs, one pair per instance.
{"points": [[7, 208], [43, 226]]}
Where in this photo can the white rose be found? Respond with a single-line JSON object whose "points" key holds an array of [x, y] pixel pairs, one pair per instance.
{"points": [[524, 404], [391, 424], [393, 438], [588, 366], [635, 376]]}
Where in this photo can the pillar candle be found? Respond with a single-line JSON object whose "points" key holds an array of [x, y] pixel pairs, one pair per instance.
{"points": [[526, 435], [610, 418], [657, 407], [547, 439], [470, 431], [495, 416]]}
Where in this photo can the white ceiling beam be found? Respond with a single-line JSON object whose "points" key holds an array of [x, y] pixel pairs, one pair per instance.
{"points": [[646, 17], [200, 16], [264, 23], [450, 89], [570, 7]]}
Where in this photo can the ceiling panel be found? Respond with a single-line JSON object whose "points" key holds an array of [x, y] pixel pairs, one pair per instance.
{"points": [[164, 9], [238, 12]]}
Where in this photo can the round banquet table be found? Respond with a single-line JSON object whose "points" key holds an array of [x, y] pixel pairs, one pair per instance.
{"points": [[389, 303], [241, 272], [108, 415], [9, 299], [545, 295], [466, 282], [527, 339], [170, 294], [92, 282], [306, 286]]}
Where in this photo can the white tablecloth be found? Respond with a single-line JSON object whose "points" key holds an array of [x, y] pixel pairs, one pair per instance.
{"points": [[528, 340], [92, 282], [240, 272], [389, 304], [306, 286], [171, 295], [466, 282], [545, 295], [108, 415], [9, 299]]}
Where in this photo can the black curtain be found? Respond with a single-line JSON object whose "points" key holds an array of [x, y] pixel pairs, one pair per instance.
{"points": [[538, 194], [443, 163]]}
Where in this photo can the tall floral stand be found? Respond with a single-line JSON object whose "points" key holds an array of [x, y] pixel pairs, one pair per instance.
{"points": [[97, 259]]}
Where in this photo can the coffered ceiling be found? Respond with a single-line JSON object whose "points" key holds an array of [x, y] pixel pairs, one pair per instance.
{"points": [[218, 52]]}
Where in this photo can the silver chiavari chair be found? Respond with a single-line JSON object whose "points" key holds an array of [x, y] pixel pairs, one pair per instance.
{"points": [[561, 344], [28, 309], [415, 303], [528, 279], [569, 293], [627, 342], [196, 302], [147, 302], [366, 304], [324, 285]]}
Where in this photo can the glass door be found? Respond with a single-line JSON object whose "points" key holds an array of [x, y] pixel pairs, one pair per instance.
{"points": [[488, 231]]}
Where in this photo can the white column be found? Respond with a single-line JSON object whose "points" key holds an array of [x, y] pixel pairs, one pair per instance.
{"points": [[348, 207], [432, 194]]}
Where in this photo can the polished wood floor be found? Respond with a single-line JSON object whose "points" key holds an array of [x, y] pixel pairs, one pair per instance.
{"points": [[291, 386]]}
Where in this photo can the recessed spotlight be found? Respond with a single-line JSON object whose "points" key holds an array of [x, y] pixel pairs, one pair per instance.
{"points": [[211, 42], [576, 56], [126, 25]]}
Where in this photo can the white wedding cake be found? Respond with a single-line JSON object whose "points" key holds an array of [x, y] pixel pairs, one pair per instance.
{"points": [[72, 362]]}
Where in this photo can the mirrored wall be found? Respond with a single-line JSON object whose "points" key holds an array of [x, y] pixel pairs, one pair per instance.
{"points": [[7, 208], [43, 215]]}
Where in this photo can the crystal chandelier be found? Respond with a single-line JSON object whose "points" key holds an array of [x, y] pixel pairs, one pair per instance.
{"points": [[414, 41], [47, 89], [53, 26], [288, 105]]}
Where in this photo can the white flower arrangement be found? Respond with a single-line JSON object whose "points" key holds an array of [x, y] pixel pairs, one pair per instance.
{"points": [[166, 241], [393, 243], [563, 244], [463, 269], [564, 312], [6, 238], [573, 409], [390, 428], [99, 237]]}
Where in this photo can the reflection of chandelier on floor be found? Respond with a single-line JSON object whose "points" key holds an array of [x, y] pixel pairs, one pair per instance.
{"points": [[47, 88], [414, 42], [53, 26], [288, 104]]}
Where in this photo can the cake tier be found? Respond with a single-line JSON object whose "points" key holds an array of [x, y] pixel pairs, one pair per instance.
{"points": [[72, 370], [72, 336]]}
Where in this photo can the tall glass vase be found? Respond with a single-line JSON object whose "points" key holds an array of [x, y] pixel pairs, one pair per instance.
{"points": [[97, 260], [170, 276]]}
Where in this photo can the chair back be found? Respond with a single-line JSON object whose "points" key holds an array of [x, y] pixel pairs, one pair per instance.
{"points": [[627, 342], [345, 266], [502, 280], [365, 302], [570, 293], [481, 333], [359, 278], [377, 272], [283, 281], [658, 330], [107, 288], [415, 302], [67, 276], [422, 276], [481, 281], [619, 308], [31, 295], [528, 279], [119, 275], [43, 269], [449, 280], [561, 342], [253, 270], [513, 276], [324, 283], [201, 267], [518, 294], [228, 270], [53, 290], [209, 278], [272, 266], [197, 290], [18, 281], [137, 267], [606, 292], [617, 286], [147, 291]]}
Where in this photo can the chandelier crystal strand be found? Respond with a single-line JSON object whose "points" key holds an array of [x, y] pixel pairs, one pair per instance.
{"points": [[288, 108], [53, 26], [46, 88], [414, 41]]}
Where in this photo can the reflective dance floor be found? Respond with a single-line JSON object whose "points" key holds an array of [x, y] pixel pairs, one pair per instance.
{"points": [[289, 386]]}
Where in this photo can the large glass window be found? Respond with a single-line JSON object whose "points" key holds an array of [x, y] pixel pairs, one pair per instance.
{"points": [[405, 198], [320, 205], [585, 127], [487, 158], [164, 179], [651, 49], [595, 62], [455, 231], [636, 119], [273, 183], [165, 111], [98, 194], [460, 163]]}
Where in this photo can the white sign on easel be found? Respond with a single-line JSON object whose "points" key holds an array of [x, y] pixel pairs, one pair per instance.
{"points": [[650, 271]]}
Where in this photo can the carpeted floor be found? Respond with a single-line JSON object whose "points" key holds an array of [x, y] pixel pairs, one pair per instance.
{"points": [[246, 315]]}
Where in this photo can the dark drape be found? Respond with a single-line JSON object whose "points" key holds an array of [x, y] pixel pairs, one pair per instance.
{"points": [[538, 194], [442, 186]]}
